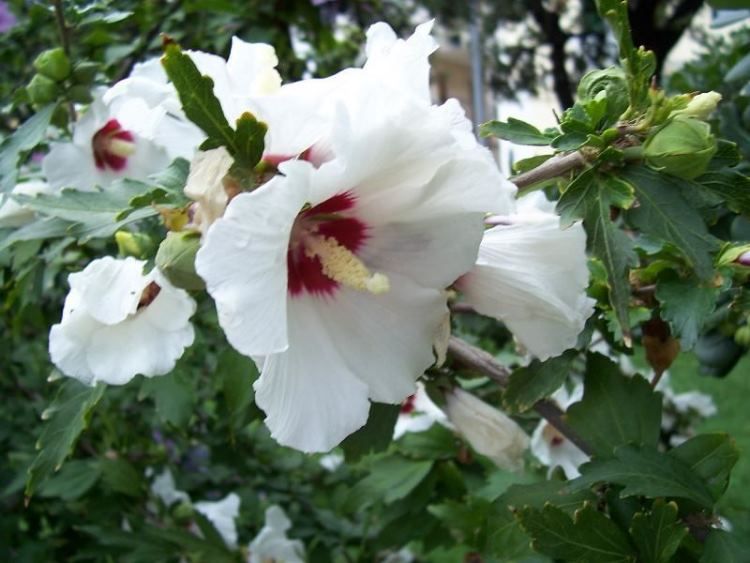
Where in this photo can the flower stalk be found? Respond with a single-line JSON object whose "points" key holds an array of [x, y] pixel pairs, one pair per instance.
{"points": [[482, 362]]}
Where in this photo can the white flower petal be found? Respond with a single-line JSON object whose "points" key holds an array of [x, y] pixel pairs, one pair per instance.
{"points": [[243, 260], [532, 275], [222, 514], [386, 349], [432, 252], [70, 166], [272, 544], [163, 486], [110, 289], [251, 68], [311, 398]]}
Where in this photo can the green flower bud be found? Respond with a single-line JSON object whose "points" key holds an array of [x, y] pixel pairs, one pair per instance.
{"points": [[183, 511], [54, 64], [683, 147], [80, 94], [138, 245], [742, 336], [176, 258], [85, 72], [613, 82], [42, 90]]}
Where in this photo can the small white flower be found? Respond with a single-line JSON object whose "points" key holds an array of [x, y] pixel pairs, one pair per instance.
{"points": [[118, 322], [489, 431], [222, 514], [108, 143], [532, 275], [163, 486], [14, 214], [418, 413], [272, 544], [205, 186], [552, 448]]}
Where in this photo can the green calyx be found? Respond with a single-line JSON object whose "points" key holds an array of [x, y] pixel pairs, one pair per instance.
{"points": [[683, 147]]}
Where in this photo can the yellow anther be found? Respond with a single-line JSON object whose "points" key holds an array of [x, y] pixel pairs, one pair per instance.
{"points": [[341, 265], [120, 147]]}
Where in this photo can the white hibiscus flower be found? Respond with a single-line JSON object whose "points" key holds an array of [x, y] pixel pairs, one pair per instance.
{"points": [[272, 543], [552, 448], [118, 322], [332, 276], [532, 275]]}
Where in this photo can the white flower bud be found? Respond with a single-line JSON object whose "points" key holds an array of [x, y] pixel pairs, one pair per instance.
{"points": [[489, 431], [701, 106]]}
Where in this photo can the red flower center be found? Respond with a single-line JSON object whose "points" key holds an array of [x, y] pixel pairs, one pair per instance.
{"points": [[333, 220], [112, 145]]}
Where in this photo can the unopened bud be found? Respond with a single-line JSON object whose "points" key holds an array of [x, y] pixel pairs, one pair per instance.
{"points": [[744, 258], [176, 259], [53, 63], [734, 255], [183, 511], [701, 106], [683, 147], [85, 72], [138, 245], [742, 336], [613, 82], [489, 431], [42, 90]]}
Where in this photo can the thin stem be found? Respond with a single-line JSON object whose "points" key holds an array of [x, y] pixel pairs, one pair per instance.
{"points": [[482, 362], [64, 30], [552, 168]]}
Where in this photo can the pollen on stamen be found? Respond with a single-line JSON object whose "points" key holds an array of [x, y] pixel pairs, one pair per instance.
{"points": [[341, 265]]}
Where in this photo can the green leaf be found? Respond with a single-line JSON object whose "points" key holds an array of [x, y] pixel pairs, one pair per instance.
{"points": [[615, 250], [196, 93], [73, 481], [578, 197], [685, 305], [664, 214], [590, 537], [570, 141], [173, 397], [42, 228], [711, 457], [723, 547], [249, 140], [68, 416], [658, 533], [645, 473], [375, 435], [93, 214], [238, 373], [536, 381], [23, 139], [515, 131], [437, 442], [392, 478], [505, 539], [606, 418], [537, 495], [120, 476], [730, 185]]}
